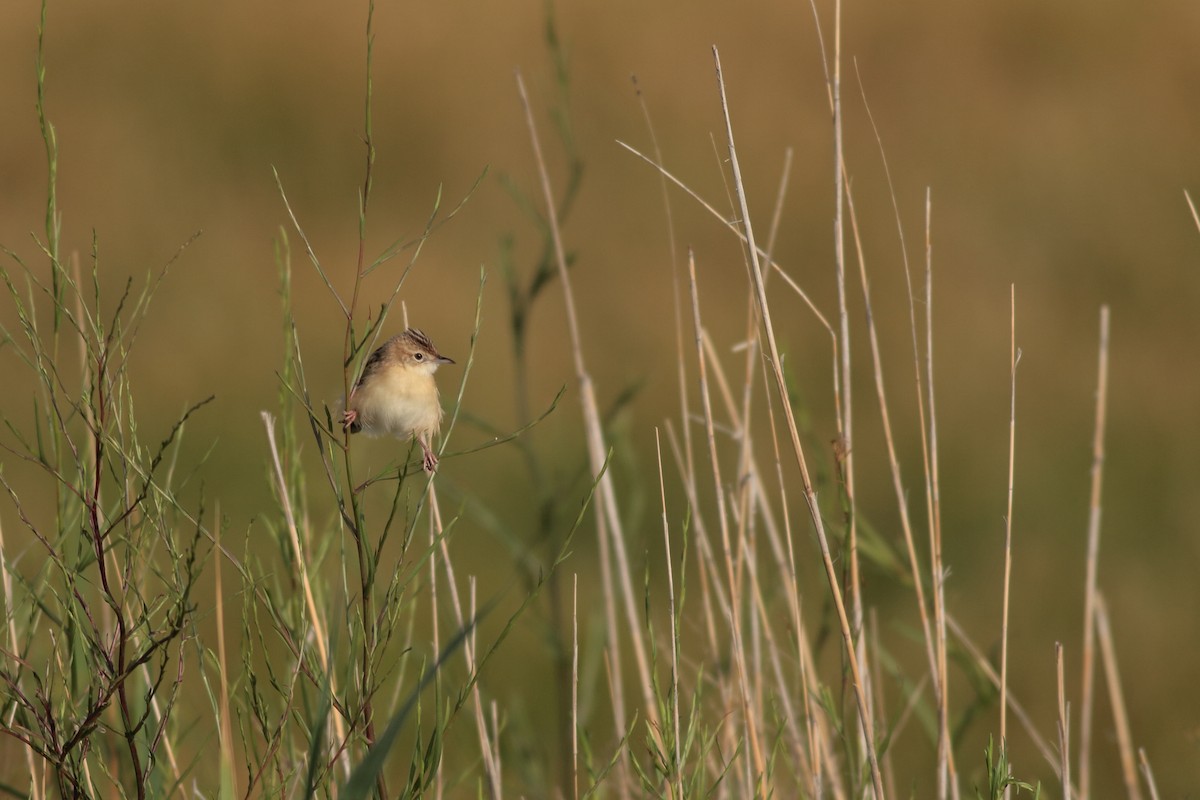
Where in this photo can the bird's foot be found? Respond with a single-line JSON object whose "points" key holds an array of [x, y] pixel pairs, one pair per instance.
{"points": [[349, 417], [430, 461]]}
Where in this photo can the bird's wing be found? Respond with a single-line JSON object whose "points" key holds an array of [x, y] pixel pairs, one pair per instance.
{"points": [[373, 364]]}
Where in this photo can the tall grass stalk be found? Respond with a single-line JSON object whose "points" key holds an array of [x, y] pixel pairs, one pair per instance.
{"points": [[1093, 558], [809, 492]]}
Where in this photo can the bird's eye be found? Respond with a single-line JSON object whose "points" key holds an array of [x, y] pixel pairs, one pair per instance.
{"points": [[419, 356]]}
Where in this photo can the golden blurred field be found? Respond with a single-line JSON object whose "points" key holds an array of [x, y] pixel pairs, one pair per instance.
{"points": [[1056, 139]]}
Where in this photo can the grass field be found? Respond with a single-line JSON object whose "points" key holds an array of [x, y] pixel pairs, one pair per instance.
{"points": [[823, 421]]}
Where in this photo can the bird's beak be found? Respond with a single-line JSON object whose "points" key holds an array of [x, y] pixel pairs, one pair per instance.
{"points": [[444, 360]]}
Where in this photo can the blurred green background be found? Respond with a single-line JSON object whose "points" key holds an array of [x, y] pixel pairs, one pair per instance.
{"points": [[1057, 140]]}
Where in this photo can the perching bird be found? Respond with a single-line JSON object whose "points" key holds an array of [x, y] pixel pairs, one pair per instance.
{"points": [[397, 393]]}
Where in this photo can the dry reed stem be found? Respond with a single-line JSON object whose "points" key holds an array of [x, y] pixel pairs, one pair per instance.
{"points": [[845, 415], [785, 561], [608, 515], [889, 440], [439, 781], [491, 764], [736, 431], [662, 492], [785, 175], [774, 647], [1117, 700], [893, 461], [934, 501], [816, 732], [1015, 357], [492, 737], [934, 509], [495, 707], [1144, 763], [310, 603], [1192, 206], [727, 545], [686, 462], [748, 475], [798, 449], [1064, 724], [1093, 556], [842, 381]]}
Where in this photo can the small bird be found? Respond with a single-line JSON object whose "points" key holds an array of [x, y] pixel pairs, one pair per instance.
{"points": [[397, 393]]}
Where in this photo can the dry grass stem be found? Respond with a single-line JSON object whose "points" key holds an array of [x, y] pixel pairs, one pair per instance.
{"points": [[302, 559], [809, 492], [1144, 763], [1064, 724], [670, 566], [947, 781], [1117, 699], [1015, 358], [946, 763], [1093, 557], [488, 751], [727, 545]]}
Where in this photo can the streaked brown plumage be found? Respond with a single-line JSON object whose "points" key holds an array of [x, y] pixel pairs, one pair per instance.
{"points": [[397, 394]]}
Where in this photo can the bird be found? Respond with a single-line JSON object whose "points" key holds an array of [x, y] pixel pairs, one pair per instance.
{"points": [[397, 394]]}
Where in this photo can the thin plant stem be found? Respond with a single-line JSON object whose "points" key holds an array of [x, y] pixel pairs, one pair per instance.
{"points": [[490, 763], [302, 560], [1093, 557], [943, 752], [1015, 358], [809, 491], [1147, 773], [676, 767], [727, 544], [1064, 724], [816, 734], [1192, 208], [934, 502], [1116, 699]]}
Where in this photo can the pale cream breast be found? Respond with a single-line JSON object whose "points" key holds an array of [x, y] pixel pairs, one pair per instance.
{"points": [[401, 402]]}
